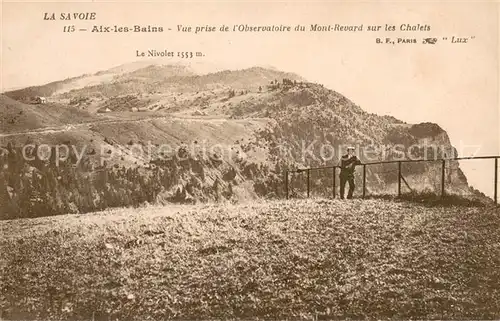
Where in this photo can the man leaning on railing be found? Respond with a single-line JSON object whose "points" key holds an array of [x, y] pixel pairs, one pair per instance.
{"points": [[348, 163]]}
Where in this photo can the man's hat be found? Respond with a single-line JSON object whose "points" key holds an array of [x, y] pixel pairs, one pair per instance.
{"points": [[350, 148]]}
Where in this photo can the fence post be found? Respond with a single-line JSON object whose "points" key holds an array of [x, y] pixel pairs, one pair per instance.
{"points": [[443, 164], [334, 183], [286, 183], [364, 180], [308, 182], [399, 179], [496, 181]]}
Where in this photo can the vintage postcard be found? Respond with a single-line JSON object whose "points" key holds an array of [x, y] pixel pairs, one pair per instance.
{"points": [[283, 160]]}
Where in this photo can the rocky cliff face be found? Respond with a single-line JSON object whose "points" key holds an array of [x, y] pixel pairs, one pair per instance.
{"points": [[311, 121]]}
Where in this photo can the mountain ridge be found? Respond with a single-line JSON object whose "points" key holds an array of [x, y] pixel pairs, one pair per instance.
{"points": [[259, 118]]}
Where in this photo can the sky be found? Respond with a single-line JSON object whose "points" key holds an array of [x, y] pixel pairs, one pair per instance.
{"points": [[452, 84]]}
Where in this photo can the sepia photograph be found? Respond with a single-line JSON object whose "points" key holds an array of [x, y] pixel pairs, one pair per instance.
{"points": [[253, 160]]}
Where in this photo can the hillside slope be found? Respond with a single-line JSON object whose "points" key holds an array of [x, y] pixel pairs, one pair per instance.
{"points": [[17, 116], [271, 260], [104, 76]]}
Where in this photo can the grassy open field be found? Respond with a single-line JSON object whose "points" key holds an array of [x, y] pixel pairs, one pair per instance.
{"points": [[307, 259]]}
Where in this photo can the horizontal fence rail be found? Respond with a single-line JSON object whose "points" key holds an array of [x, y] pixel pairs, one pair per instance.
{"points": [[400, 179]]}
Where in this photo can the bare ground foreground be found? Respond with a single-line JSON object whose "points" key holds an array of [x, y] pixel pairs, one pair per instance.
{"points": [[307, 259]]}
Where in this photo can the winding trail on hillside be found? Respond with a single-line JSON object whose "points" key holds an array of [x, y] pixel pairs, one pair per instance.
{"points": [[88, 125]]}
